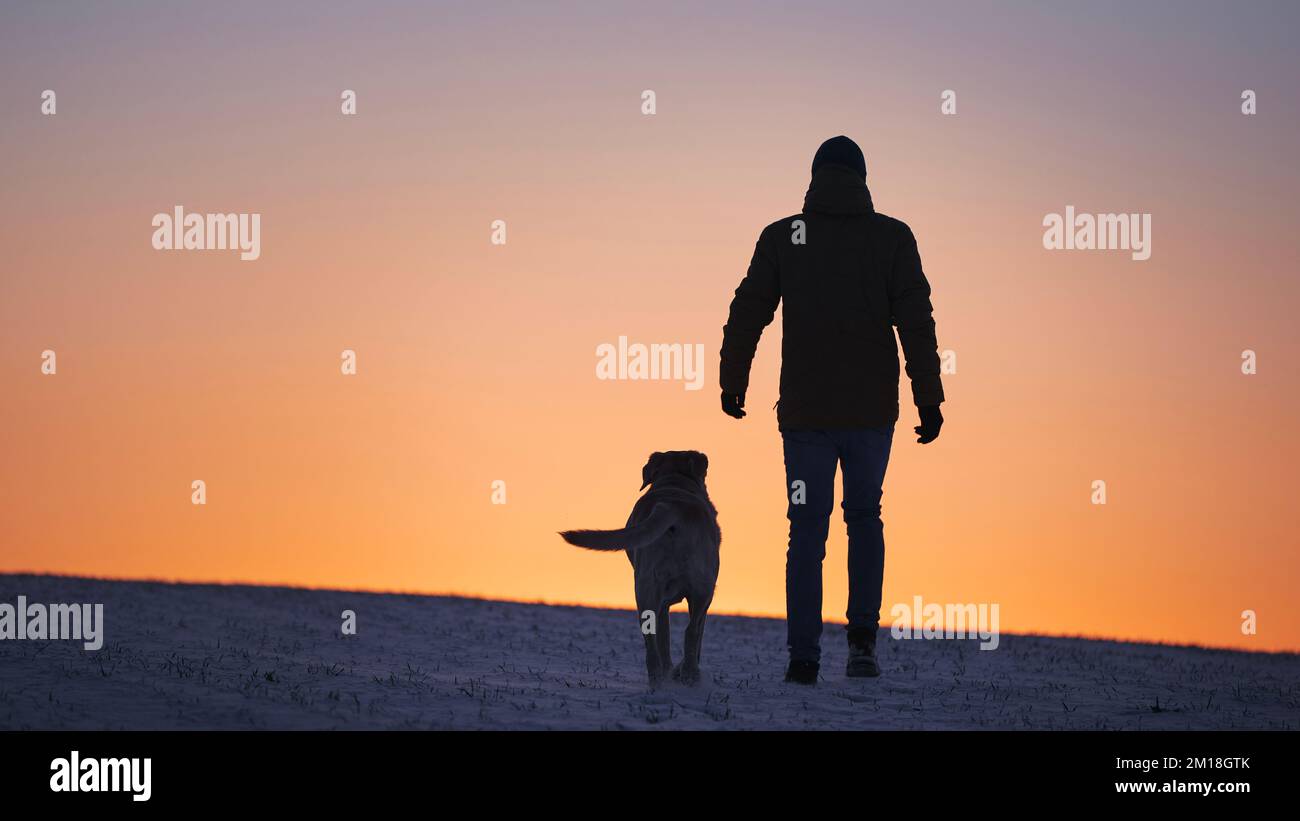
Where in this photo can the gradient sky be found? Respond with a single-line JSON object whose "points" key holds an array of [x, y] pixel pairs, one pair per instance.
{"points": [[477, 362]]}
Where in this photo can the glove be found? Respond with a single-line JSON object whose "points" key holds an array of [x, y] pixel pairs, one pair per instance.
{"points": [[931, 421], [733, 404]]}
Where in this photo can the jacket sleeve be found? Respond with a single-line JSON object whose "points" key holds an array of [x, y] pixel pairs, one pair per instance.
{"points": [[912, 313], [751, 311]]}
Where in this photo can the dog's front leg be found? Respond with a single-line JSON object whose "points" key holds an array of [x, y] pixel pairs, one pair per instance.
{"points": [[689, 670]]}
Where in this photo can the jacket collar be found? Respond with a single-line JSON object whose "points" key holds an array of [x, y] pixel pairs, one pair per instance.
{"points": [[837, 189]]}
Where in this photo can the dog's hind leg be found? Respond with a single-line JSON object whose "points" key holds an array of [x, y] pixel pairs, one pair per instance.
{"points": [[655, 666], [653, 671], [688, 672], [664, 636]]}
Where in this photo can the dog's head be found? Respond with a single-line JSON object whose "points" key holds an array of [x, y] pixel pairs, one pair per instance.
{"points": [[685, 462]]}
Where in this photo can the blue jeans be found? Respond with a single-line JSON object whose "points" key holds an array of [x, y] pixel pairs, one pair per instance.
{"points": [[811, 458]]}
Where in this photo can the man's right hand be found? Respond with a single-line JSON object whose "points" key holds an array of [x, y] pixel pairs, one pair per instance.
{"points": [[733, 404], [931, 421]]}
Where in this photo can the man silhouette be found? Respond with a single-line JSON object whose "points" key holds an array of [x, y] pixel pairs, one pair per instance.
{"points": [[847, 276]]}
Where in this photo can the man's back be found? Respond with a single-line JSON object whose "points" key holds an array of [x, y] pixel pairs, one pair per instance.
{"points": [[846, 275]]}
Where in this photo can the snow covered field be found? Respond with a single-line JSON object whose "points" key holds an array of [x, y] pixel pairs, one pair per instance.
{"points": [[206, 657]]}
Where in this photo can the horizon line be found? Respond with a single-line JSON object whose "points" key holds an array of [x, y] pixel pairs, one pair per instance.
{"points": [[591, 606]]}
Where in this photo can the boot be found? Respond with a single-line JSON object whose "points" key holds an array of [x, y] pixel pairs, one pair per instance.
{"points": [[802, 672], [862, 654]]}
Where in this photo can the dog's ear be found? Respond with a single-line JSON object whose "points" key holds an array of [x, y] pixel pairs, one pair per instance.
{"points": [[651, 468], [699, 465]]}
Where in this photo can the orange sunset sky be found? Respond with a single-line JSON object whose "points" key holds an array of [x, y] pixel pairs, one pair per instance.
{"points": [[477, 362]]}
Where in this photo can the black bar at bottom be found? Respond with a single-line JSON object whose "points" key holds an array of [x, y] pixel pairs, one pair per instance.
{"points": [[299, 770]]}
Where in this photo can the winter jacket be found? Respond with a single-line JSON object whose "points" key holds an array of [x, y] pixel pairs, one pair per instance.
{"points": [[847, 276]]}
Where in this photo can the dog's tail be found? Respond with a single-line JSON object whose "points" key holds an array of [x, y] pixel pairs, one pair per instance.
{"points": [[640, 534]]}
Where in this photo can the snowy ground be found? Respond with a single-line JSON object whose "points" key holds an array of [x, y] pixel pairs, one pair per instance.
{"points": [[199, 656]]}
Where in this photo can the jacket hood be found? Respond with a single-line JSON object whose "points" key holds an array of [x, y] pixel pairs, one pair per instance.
{"points": [[840, 151], [837, 189]]}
